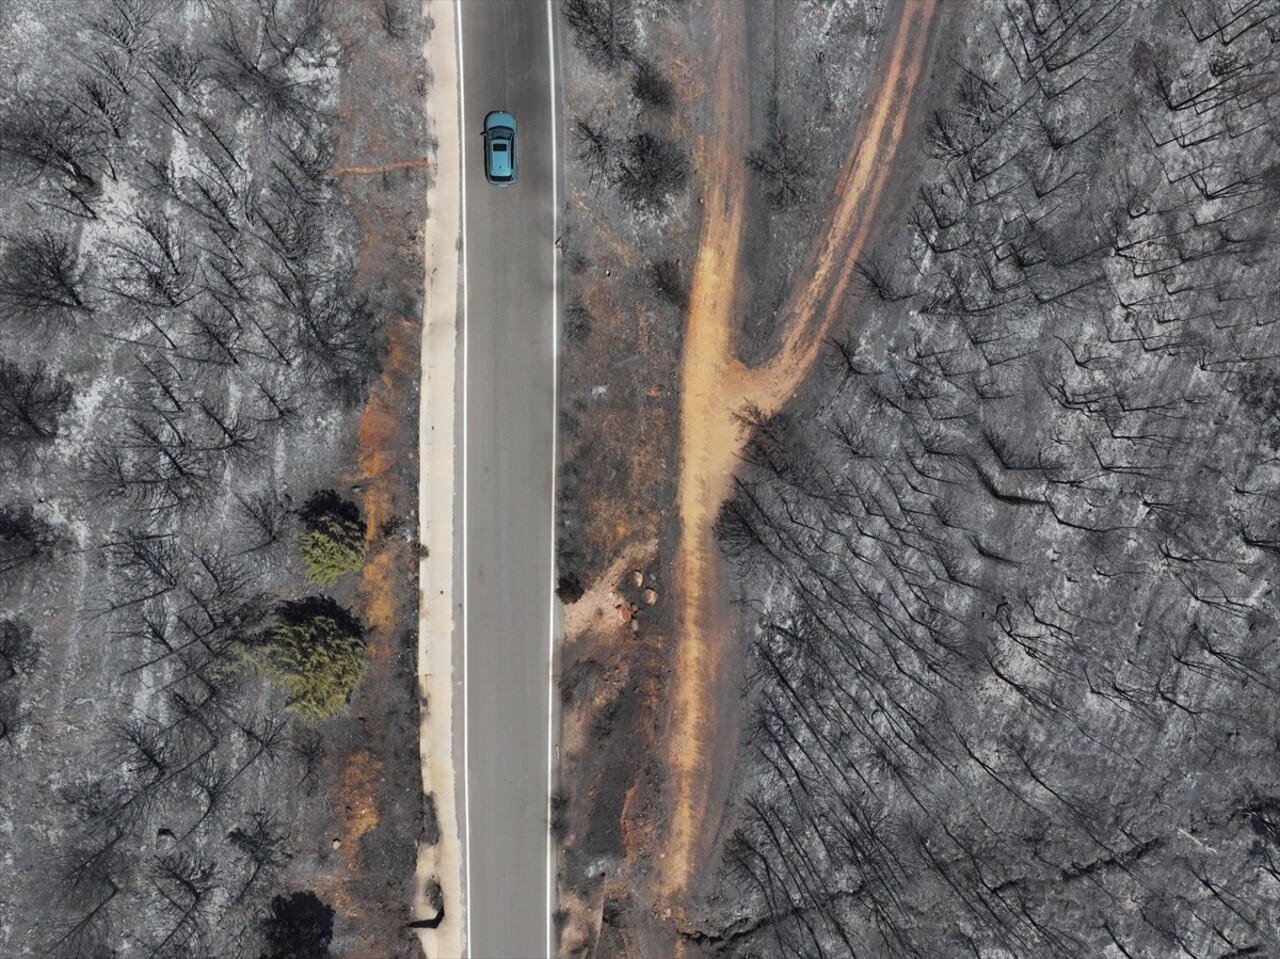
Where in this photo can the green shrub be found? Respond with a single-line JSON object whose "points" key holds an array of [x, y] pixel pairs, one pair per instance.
{"points": [[315, 652], [334, 547], [333, 542]]}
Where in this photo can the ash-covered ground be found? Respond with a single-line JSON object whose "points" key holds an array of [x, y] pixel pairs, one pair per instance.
{"points": [[209, 308], [1005, 563]]}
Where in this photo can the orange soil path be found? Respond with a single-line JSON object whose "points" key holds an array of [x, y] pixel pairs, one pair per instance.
{"points": [[716, 385], [419, 164]]}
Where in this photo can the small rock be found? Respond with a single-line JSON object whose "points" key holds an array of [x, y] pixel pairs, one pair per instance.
{"points": [[650, 595], [337, 844], [637, 577]]}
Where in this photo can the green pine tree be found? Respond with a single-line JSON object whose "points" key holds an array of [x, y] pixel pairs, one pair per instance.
{"points": [[315, 652], [333, 542]]}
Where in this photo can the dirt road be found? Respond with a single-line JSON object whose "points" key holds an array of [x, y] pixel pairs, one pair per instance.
{"points": [[717, 386]]}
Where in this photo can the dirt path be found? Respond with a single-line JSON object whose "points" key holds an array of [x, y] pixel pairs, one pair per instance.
{"points": [[709, 445], [716, 385], [421, 163]]}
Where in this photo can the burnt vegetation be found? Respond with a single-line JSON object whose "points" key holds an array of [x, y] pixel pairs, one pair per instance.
{"points": [[628, 163], [785, 167], [642, 162], [1014, 682], [603, 30], [180, 323]]}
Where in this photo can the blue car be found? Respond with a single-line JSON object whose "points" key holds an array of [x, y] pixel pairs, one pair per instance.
{"points": [[500, 147]]}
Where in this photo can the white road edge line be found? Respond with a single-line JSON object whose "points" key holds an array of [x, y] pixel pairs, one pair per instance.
{"points": [[466, 605], [555, 406]]}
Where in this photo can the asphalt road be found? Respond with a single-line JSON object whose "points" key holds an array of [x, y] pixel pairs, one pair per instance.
{"points": [[508, 439]]}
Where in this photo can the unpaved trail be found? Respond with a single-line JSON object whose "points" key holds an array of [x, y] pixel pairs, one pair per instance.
{"points": [[717, 386], [421, 163]]}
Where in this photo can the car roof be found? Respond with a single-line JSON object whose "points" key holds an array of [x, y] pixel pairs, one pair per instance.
{"points": [[500, 159]]}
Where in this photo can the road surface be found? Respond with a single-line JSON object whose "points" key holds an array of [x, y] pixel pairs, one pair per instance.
{"points": [[508, 363]]}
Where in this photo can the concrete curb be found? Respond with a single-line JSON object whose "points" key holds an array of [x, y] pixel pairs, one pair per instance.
{"points": [[437, 416]]}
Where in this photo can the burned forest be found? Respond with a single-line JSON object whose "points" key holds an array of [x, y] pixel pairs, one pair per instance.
{"points": [[1003, 567], [1007, 564], [187, 345]]}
